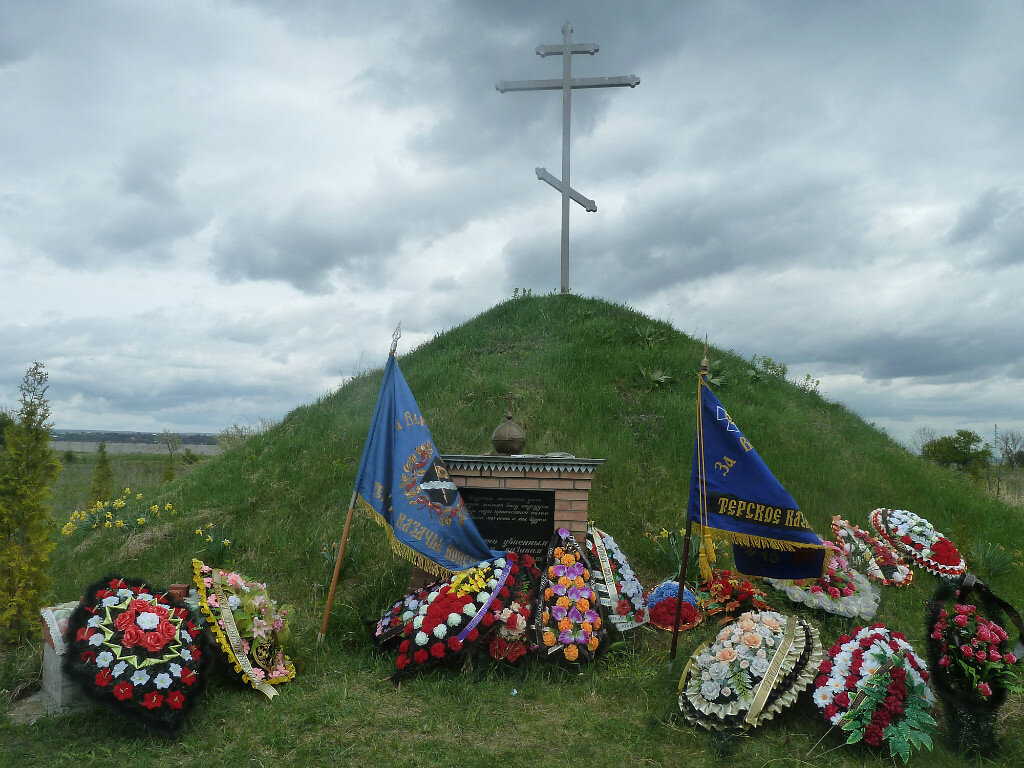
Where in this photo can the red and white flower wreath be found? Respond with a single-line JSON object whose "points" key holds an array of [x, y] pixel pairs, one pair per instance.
{"points": [[137, 650], [881, 561], [851, 662], [916, 537]]}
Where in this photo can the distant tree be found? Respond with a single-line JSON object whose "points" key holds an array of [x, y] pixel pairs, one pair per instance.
{"points": [[921, 437], [172, 442], [28, 467], [1010, 444], [965, 449], [102, 483]]}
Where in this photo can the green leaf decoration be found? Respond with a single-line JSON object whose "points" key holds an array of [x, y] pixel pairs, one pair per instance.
{"points": [[904, 750], [740, 682]]}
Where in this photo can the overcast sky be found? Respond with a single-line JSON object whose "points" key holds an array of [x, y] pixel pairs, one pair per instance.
{"points": [[213, 211]]}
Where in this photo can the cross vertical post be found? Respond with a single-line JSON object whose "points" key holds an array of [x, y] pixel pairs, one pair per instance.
{"points": [[566, 86], [566, 120]]}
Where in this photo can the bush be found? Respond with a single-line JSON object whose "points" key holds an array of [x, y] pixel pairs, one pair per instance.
{"points": [[236, 434]]}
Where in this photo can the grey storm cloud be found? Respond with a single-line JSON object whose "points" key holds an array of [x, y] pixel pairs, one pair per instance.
{"points": [[314, 238], [152, 169], [995, 221], [754, 225], [944, 355], [302, 248]]}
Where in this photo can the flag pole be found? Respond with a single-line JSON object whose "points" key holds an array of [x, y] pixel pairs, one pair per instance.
{"points": [[685, 564], [348, 527], [337, 569], [683, 567]]}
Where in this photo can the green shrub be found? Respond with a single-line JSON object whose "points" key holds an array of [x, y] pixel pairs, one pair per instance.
{"points": [[28, 466], [101, 486]]}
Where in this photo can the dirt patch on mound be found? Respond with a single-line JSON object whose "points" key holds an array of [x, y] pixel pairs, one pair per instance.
{"points": [[142, 540]]}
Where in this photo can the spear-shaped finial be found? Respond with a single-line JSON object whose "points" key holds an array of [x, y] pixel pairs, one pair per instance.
{"points": [[704, 362], [396, 336]]}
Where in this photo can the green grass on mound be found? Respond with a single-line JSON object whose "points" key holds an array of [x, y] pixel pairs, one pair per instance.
{"points": [[583, 372]]}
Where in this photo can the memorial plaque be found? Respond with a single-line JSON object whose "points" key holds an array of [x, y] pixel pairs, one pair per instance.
{"points": [[521, 521]]}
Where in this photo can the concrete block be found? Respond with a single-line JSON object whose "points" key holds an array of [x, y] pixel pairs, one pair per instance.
{"points": [[59, 692]]}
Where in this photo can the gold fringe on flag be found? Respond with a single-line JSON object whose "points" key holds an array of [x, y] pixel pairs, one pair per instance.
{"points": [[746, 540], [401, 549]]}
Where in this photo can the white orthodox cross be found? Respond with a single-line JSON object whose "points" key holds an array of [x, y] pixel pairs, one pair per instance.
{"points": [[566, 85]]}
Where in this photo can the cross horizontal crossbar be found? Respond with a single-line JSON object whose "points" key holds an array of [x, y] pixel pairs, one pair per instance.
{"points": [[558, 50], [504, 86], [588, 204]]}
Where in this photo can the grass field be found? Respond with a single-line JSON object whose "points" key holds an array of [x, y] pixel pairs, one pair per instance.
{"points": [[590, 379]]}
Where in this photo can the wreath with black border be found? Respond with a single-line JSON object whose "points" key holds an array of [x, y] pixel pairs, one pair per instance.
{"points": [[118, 652]]}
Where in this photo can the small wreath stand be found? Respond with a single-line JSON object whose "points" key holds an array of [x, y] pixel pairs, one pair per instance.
{"points": [[970, 718]]}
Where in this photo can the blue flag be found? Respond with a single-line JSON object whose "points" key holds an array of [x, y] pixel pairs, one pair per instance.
{"points": [[404, 483], [734, 492]]}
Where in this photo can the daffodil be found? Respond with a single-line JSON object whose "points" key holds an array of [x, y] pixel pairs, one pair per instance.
{"points": [[198, 532], [118, 523], [226, 542], [141, 521], [138, 496], [209, 538]]}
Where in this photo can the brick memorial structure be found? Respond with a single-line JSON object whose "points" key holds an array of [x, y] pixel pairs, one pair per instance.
{"points": [[517, 500]]}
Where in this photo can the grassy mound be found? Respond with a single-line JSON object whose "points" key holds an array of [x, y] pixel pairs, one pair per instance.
{"points": [[592, 379]]}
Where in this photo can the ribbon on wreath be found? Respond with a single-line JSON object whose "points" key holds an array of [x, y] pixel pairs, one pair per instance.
{"points": [[494, 594], [768, 682], [231, 630], [606, 568]]}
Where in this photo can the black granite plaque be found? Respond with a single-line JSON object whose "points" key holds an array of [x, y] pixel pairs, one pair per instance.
{"points": [[521, 521]]}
